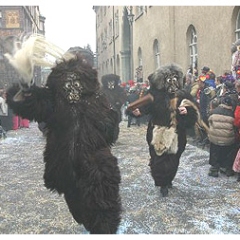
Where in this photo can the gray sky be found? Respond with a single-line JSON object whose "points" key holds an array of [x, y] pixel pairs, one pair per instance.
{"points": [[69, 25]]}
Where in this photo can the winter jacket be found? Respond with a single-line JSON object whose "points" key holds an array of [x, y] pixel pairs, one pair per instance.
{"points": [[210, 83], [221, 126], [237, 117], [237, 122], [203, 105], [194, 89]]}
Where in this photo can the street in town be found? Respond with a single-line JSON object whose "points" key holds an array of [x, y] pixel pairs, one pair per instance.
{"points": [[197, 203]]}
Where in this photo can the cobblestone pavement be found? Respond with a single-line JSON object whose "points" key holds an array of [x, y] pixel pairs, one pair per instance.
{"points": [[197, 204]]}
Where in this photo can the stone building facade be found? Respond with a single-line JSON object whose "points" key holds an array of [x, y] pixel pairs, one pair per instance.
{"points": [[133, 41], [14, 21]]}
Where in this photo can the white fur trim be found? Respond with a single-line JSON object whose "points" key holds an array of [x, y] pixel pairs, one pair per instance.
{"points": [[164, 140], [35, 51], [187, 103]]}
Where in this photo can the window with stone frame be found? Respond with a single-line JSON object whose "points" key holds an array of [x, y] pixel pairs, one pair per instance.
{"points": [[237, 31], [193, 54], [116, 21], [110, 31], [1, 25], [156, 53]]}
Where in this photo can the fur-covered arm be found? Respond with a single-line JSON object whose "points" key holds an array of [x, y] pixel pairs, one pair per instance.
{"points": [[188, 120], [102, 117], [149, 107], [35, 103], [109, 127], [192, 116]]}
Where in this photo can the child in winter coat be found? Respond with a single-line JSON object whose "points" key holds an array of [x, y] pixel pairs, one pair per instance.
{"points": [[222, 138]]}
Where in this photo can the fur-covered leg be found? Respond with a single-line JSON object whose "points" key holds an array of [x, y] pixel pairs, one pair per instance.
{"points": [[94, 219], [238, 178], [104, 222], [75, 206], [164, 191]]}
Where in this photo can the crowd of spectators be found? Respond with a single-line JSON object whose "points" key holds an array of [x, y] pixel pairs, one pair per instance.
{"points": [[217, 98]]}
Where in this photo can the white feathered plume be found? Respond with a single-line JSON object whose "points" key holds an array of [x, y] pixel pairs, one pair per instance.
{"points": [[35, 51]]}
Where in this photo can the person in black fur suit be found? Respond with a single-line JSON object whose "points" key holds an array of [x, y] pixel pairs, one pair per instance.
{"points": [[114, 92], [81, 128], [171, 111]]}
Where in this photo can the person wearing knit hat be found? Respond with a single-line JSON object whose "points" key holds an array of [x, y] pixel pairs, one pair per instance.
{"points": [[227, 101], [205, 69], [236, 163], [205, 92], [227, 76], [229, 88]]}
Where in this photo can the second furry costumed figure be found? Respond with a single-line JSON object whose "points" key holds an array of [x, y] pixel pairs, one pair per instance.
{"points": [[172, 110]]}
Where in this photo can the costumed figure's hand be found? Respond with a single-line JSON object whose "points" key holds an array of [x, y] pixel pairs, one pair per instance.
{"points": [[182, 110], [136, 112]]}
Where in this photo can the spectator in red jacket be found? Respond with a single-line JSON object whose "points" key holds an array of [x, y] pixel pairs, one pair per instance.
{"points": [[236, 164]]}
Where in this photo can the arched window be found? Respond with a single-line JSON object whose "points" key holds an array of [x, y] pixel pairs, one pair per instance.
{"points": [[116, 24], [139, 69], [103, 65], [139, 57], [237, 31], [156, 53], [111, 65], [118, 65], [106, 68], [192, 36]]}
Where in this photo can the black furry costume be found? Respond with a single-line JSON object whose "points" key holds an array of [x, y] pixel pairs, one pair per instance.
{"points": [[166, 88], [81, 128], [115, 93]]}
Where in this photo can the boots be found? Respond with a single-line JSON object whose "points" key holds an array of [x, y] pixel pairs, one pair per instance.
{"points": [[213, 171], [223, 170], [228, 171], [238, 178]]}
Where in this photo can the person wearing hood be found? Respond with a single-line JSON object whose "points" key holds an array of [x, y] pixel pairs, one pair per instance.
{"points": [[229, 88], [236, 163], [206, 93], [222, 139], [219, 86]]}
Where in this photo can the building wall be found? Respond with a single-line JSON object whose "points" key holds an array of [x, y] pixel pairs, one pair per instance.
{"points": [[14, 21], [214, 35], [214, 25]]}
